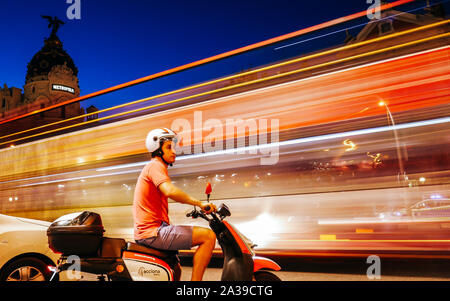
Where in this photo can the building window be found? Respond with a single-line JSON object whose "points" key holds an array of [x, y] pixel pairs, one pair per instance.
{"points": [[4, 103], [91, 109]]}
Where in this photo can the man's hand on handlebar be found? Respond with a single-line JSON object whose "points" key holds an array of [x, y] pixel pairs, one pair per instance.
{"points": [[208, 207]]}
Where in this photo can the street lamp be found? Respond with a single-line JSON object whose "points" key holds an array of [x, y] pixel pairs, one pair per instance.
{"points": [[381, 103]]}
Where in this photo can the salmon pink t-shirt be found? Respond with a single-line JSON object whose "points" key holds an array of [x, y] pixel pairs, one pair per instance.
{"points": [[150, 206]]}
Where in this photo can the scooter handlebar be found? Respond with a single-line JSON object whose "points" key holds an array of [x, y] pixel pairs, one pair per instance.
{"points": [[194, 214], [197, 213]]}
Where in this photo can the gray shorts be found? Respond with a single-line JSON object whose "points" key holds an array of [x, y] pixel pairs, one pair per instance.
{"points": [[170, 238]]}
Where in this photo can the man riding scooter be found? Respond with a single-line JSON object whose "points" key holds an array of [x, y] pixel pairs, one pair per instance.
{"points": [[150, 207]]}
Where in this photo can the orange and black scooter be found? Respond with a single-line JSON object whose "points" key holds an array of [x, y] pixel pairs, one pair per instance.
{"points": [[87, 255]]}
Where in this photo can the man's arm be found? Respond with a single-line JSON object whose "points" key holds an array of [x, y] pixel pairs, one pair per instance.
{"points": [[178, 195]]}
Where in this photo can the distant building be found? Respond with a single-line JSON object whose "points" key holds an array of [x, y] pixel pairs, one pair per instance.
{"points": [[392, 20], [51, 78], [89, 110]]}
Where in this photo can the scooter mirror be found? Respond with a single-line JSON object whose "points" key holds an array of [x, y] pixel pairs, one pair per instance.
{"points": [[223, 211], [208, 188]]}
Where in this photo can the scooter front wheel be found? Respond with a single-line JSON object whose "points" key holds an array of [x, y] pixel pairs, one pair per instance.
{"points": [[265, 276]]}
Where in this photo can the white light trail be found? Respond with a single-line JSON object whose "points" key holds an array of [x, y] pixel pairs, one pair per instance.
{"points": [[238, 150], [296, 141]]}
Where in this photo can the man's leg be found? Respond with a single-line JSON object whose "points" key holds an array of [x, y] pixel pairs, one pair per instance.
{"points": [[206, 240]]}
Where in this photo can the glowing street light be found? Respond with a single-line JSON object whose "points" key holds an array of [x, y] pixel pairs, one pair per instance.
{"points": [[382, 103]]}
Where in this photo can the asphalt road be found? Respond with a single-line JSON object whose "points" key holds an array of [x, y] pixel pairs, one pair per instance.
{"points": [[355, 269]]}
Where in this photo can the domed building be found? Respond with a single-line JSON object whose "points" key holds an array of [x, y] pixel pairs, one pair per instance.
{"points": [[51, 78]]}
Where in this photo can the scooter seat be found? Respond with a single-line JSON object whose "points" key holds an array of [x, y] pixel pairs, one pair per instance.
{"points": [[131, 246]]}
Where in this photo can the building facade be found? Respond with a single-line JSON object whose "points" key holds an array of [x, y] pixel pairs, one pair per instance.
{"points": [[51, 78]]}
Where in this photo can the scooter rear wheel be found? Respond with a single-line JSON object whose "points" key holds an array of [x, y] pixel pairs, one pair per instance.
{"points": [[265, 276]]}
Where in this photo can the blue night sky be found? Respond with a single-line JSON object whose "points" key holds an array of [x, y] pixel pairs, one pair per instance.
{"points": [[118, 41]]}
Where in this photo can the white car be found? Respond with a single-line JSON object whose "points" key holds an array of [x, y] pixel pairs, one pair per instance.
{"points": [[24, 251]]}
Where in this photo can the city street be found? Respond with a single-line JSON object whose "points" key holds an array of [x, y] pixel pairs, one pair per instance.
{"points": [[348, 270]]}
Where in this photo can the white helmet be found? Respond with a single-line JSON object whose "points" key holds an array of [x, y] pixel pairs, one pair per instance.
{"points": [[155, 138]]}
